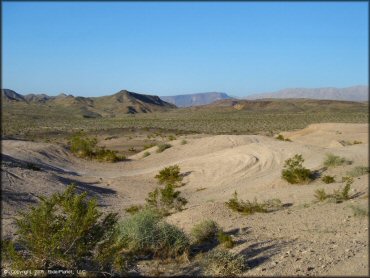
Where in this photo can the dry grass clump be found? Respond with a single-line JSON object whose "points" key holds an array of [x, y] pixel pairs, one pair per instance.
{"points": [[248, 207], [328, 179], [145, 154], [134, 209], [204, 231], [163, 147], [335, 160], [146, 233], [294, 172], [358, 171], [338, 196], [219, 262], [281, 138]]}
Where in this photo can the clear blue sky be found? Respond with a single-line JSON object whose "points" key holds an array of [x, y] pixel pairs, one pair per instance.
{"points": [[96, 48]]}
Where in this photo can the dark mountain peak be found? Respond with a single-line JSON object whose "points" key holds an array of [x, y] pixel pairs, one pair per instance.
{"points": [[10, 95]]}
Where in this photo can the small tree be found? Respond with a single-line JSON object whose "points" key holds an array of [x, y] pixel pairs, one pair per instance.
{"points": [[65, 231], [294, 172]]}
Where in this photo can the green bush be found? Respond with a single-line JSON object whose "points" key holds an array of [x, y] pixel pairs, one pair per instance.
{"points": [[170, 175], [166, 200], [225, 239], [294, 172], [145, 154], [162, 147], [220, 262], [172, 137], [85, 147], [358, 171], [334, 160], [245, 207], [145, 233], [148, 146], [328, 179], [204, 231], [65, 231]]}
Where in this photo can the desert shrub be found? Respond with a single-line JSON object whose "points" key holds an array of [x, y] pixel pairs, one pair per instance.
{"points": [[204, 231], [328, 179], [134, 209], [358, 171], [320, 195], [132, 149], [335, 160], [170, 174], [145, 154], [281, 138], [166, 200], [225, 239], [162, 147], [184, 142], [220, 262], [359, 211], [102, 154], [338, 196], [148, 146], [65, 231], [32, 167], [294, 172], [83, 146], [356, 142], [171, 137], [247, 207], [146, 233]]}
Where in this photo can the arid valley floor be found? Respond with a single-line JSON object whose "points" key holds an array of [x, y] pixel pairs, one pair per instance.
{"points": [[304, 238]]}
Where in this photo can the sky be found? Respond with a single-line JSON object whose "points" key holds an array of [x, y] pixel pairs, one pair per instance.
{"points": [[97, 48]]}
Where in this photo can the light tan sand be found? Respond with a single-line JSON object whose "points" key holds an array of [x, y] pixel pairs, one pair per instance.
{"points": [[304, 239]]}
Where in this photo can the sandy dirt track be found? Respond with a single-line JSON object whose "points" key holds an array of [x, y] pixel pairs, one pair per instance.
{"points": [[305, 238]]}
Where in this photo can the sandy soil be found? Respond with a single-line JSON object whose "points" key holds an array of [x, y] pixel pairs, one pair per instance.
{"points": [[305, 238]]}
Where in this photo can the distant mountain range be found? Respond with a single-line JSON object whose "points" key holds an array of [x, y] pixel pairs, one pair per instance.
{"points": [[123, 102], [286, 105], [195, 99], [355, 93]]}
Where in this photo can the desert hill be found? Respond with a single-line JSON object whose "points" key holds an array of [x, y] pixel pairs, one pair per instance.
{"points": [[195, 99], [285, 105], [123, 102], [354, 93]]}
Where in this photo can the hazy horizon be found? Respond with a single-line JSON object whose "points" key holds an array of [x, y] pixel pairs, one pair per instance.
{"points": [[239, 48]]}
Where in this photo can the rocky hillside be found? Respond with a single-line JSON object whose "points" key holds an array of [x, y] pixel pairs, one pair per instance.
{"points": [[123, 102]]}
